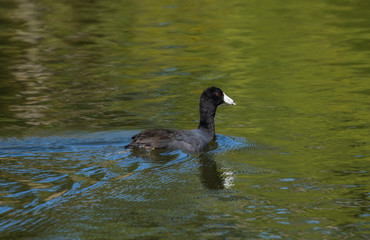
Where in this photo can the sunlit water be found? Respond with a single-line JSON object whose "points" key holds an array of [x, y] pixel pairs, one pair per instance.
{"points": [[52, 183], [78, 79]]}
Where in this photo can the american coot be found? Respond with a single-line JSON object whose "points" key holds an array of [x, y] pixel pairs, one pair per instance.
{"points": [[187, 140]]}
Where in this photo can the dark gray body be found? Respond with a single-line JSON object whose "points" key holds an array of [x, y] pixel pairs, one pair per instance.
{"points": [[194, 140]]}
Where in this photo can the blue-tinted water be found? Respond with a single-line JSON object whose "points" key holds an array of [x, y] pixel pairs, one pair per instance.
{"points": [[79, 78], [48, 182]]}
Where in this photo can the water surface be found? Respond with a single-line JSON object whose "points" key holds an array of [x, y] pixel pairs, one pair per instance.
{"points": [[78, 79]]}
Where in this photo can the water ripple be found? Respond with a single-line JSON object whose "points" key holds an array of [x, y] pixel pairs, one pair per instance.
{"points": [[40, 173]]}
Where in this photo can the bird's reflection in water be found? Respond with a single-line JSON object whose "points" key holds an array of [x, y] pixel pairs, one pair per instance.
{"points": [[157, 155], [210, 176]]}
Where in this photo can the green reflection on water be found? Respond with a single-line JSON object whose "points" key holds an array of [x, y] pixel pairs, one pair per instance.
{"points": [[299, 72]]}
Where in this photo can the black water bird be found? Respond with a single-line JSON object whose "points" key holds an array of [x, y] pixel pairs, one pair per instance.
{"points": [[194, 140]]}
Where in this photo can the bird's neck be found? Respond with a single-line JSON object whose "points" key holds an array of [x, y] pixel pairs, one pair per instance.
{"points": [[207, 115]]}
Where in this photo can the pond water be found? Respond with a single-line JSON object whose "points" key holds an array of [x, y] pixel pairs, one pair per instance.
{"points": [[290, 160]]}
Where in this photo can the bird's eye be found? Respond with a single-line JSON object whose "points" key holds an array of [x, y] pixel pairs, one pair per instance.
{"points": [[218, 94]]}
